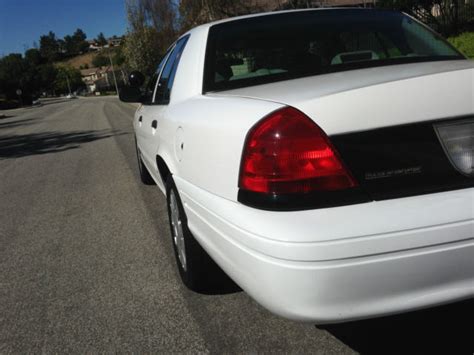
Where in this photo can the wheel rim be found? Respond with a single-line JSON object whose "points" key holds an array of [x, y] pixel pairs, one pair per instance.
{"points": [[177, 230]]}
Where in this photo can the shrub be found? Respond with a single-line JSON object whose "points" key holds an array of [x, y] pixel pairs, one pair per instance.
{"points": [[465, 43], [100, 61]]}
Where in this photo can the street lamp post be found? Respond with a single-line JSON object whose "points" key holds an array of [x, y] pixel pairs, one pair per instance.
{"points": [[113, 73], [68, 86], [19, 92]]}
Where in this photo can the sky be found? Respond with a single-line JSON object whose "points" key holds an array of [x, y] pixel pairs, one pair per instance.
{"points": [[22, 22]]}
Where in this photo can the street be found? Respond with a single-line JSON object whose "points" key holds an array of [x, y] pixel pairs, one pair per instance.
{"points": [[87, 265]]}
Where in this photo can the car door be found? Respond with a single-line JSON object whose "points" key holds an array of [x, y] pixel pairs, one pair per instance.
{"points": [[143, 117], [153, 114]]}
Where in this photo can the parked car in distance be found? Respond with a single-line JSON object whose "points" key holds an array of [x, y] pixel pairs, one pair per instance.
{"points": [[322, 158]]}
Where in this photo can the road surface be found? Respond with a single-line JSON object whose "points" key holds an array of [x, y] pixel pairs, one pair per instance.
{"points": [[87, 266]]}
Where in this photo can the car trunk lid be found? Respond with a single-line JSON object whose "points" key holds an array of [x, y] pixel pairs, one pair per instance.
{"points": [[384, 122]]}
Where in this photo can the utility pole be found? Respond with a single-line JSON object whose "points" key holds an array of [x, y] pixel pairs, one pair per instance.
{"points": [[68, 86], [113, 73], [19, 92], [124, 78]]}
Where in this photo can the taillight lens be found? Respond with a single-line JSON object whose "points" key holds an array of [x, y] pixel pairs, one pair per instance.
{"points": [[288, 153]]}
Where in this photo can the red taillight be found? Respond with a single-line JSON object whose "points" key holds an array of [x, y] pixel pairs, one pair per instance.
{"points": [[288, 153]]}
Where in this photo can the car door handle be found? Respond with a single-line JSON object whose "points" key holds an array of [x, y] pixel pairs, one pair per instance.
{"points": [[154, 124], [140, 119]]}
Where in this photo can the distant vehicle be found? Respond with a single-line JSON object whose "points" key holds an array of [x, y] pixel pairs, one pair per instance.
{"points": [[322, 158], [71, 96], [36, 102]]}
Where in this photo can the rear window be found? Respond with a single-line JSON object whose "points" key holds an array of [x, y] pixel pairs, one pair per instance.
{"points": [[285, 46]]}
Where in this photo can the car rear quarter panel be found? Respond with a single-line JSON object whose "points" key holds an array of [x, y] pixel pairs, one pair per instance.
{"points": [[188, 79], [207, 150]]}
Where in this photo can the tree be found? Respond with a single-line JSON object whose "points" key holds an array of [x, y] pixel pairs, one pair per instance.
{"points": [[67, 74], [33, 57], [118, 58], [142, 51], [73, 45], [101, 40], [151, 31], [62, 48], [155, 24], [79, 38], [28, 73], [193, 13], [162, 15], [30, 79], [69, 46], [49, 47], [441, 15], [47, 76], [136, 15], [12, 68]]}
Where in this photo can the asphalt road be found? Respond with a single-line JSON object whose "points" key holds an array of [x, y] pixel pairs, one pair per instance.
{"points": [[86, 263]]}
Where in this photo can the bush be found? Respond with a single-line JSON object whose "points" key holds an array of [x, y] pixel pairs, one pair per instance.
{"points": [[8, 104], [465, 43], [100, 61]]}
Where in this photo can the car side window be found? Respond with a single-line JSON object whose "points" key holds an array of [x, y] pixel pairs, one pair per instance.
{"points": [[165, 83], [150, 87], [158, 72]]}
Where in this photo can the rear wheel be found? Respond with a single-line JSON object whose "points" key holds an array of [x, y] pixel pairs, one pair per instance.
{"points": [[145, 176], [197, 270]]}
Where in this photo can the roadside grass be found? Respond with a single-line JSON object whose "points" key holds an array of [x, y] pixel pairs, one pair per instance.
{"points": [[464, 43]]}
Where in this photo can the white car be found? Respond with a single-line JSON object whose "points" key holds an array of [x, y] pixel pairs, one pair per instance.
{"points": [[322, 158]]}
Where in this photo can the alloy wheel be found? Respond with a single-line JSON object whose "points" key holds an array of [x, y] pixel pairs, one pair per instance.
{"points": [[177, 230]]}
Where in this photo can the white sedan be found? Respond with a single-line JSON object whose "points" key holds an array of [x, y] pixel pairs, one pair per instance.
{"points": [[322, 158]]}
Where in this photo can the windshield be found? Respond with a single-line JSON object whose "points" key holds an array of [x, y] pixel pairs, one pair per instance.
{"points": [[285, 46]]}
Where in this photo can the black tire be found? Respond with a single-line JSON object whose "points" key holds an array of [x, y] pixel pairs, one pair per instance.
{"points": [[145, 176], [198, 271]]}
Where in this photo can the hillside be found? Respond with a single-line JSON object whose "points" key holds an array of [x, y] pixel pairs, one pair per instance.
{"points": [[81, 60], [86, 58]]}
